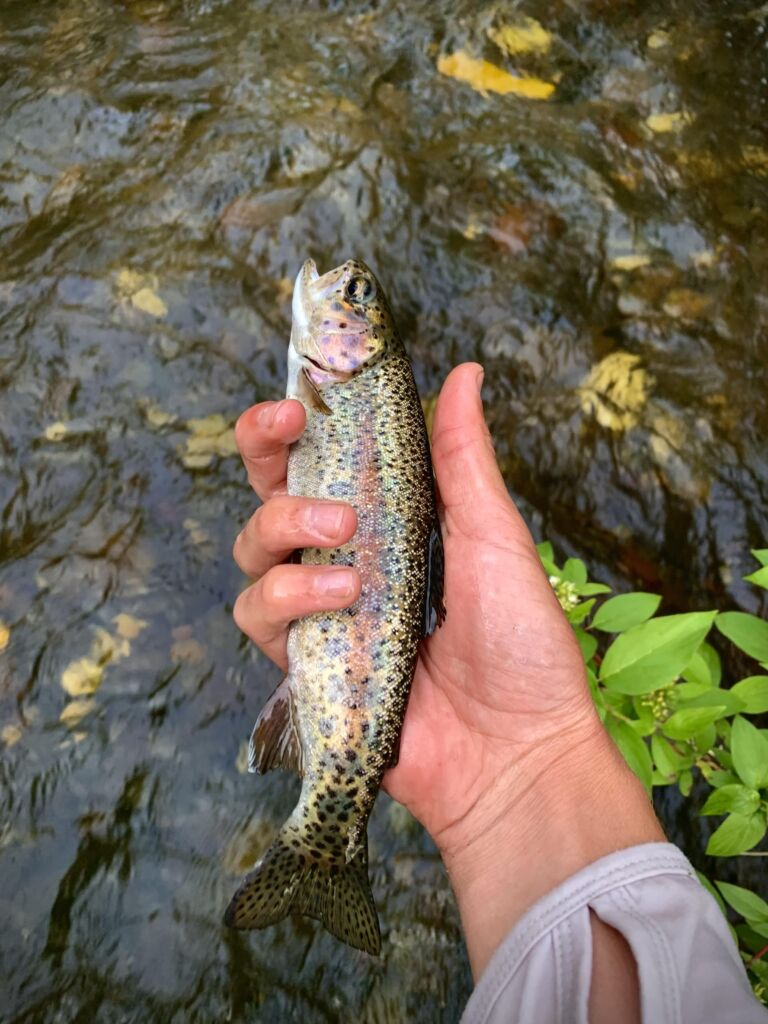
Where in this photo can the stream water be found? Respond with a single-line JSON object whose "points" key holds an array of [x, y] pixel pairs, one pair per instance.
{"points": [[165, 168]]}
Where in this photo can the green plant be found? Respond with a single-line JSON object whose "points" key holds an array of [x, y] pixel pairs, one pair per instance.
{"points": [[657, 685]]}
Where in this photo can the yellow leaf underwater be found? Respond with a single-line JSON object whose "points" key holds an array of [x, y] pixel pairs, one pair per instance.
{"points": [[75, 711], [658, 40], [149, 302], [486, 77], [82, 677], [185, 648], [56, 431], [127, 626], [5, 635], [196, 532], [686, 304], [130, 281], [10, 735], [616, 390], [632, 261], [527, 36], [755, 159], [208, 426], [155, 416], [241, 763], [247, 845], [141, 290], [210, 436], [660, 123]]}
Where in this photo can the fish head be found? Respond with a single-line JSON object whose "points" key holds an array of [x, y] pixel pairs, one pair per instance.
{"points": [[341, 322]]}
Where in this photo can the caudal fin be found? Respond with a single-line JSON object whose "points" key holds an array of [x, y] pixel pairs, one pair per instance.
{"points": [[288, 881]]}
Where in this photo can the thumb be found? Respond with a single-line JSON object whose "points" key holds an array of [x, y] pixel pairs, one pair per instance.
{"points": [[468, 478]]}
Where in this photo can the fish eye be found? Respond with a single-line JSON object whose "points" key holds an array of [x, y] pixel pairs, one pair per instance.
{"points": [[360, 289]]}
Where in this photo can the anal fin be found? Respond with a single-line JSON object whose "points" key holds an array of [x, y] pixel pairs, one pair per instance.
{"points": [[275, 739]]}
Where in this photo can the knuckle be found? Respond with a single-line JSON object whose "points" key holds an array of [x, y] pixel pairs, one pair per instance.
{"points": [[241, 430], [271, 589], [276, 523], [241, 611]]}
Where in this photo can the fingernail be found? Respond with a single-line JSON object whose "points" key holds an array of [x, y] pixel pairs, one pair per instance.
{"points": [[325, 520], [268, 413], [335, 583], [479, 379]]}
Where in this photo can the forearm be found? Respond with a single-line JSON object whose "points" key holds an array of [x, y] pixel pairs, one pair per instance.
{"points": [[542, 820]]}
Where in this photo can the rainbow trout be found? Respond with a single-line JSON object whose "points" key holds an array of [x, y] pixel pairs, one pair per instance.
{"points": [[336, 717]]}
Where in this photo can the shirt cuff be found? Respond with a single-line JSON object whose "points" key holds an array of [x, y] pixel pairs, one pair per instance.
{"points": [[688, 964]]}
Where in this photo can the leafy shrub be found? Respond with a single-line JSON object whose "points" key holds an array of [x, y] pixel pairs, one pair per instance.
{"points": [[657, 685]]}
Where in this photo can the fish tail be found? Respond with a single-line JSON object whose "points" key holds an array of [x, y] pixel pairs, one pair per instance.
{"points": [[288, 880]]}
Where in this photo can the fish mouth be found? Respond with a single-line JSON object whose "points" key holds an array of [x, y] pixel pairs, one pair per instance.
{"points": [[311, 289]]}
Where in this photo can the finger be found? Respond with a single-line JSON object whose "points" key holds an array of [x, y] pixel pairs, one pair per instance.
{"points": [[468, 476], [287, 592], [263, 434], [285, 523]]}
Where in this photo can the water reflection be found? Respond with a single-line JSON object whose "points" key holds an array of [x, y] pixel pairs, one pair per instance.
{"points": [[164, 169]]}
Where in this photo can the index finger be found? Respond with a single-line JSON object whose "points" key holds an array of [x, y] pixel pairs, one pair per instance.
{"points": [[263, 434]]}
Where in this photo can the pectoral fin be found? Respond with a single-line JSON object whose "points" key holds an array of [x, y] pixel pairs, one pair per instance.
{"points": [[309, 394], [275, 740]]}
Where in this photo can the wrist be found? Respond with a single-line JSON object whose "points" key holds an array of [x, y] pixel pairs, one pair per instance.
{"points": [[544, 815]]}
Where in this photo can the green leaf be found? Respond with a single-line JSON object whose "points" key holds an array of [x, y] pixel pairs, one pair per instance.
{"points": [[688, 721], [715, 696], [740, 799], [761, 554], [724, 758], [587, 643], [712, 658], [685, 782], [704, 666], [620, 613], [645, 723], [545, 551], [754, 692], [748, 632], [575, 571], [739, 832], [718, 778], [550, 568], [580, 612], [652, 654], [744, 902], [759, 578], [633, 749], [750, 937], [690, 691], [705, 738], [590, 589], [749, 749], [665, 757]]}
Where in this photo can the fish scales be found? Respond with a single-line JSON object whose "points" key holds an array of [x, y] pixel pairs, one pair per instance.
{"points": [[336, 717]]}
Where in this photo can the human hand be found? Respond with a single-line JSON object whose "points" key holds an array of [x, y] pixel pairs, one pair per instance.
{"points": [[502, 756]]}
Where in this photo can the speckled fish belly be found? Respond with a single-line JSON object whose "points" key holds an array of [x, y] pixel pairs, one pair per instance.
{"points": [[336, 717]]}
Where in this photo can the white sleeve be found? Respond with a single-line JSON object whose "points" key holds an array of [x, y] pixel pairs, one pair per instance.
{"points": [[689, 968]]}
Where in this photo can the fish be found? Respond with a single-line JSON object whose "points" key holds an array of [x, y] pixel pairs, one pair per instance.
{"points": [[335, 719]]}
